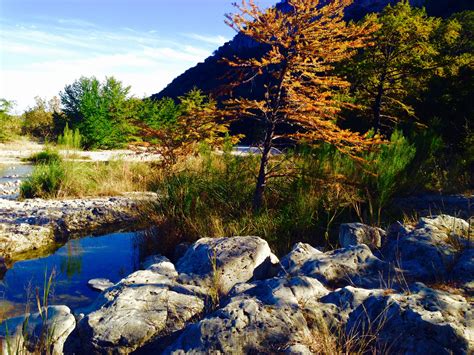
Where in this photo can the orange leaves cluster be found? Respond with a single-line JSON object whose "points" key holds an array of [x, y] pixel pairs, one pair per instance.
{"points": [[304, 42], [198, 122]]}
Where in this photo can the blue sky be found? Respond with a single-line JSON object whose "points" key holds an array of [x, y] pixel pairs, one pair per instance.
{"points": [[46, 44]]}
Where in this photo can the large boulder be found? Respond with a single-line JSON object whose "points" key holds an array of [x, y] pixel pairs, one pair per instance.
{"points": [[354, 265], [223, 262], [261, 316], [243, 326], [45, 333], [144, 306], [430, 250], [425, 321], [280, 291], [351, 234]]}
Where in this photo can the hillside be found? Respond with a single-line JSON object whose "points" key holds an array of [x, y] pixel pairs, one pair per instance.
{"points": [[211, 75]]}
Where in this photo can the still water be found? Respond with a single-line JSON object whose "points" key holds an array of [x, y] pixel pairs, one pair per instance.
{"points": [[111, 256]]}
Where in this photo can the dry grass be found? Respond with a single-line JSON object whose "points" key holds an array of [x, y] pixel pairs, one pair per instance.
{"points": [[72, 179], [362, 339]]}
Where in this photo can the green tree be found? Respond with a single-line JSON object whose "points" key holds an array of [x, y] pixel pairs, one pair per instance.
{"points": [[101, 111], [10, 125], [402, 58], [38, 121], [195, 119], [156, 113]]}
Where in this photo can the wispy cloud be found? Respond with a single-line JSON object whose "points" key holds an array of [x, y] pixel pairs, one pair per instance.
{"points": [[216, 40], [40, 59]]}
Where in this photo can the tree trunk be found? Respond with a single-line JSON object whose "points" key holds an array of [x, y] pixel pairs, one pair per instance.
{"points": [[262, 173], [377, 107]]}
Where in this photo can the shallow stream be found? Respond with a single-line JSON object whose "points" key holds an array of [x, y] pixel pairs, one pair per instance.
{"points": [[11, 174], [111, 256]]}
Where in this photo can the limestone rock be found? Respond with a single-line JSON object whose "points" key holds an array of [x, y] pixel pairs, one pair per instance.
{"points": [[243, 326], [141, 307], [298, 349], [100, 284], [160, 265], [463, 271], [336, 307], [300, 253], [425, 321], [226, 261], [280, 291], [58, 326], [446, 224], [351, 234], [429, 251], [354, 265]]}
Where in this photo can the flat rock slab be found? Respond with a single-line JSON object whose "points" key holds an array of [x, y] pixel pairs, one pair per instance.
{"points": [[141, 307], [34, 224], [100, 284]]}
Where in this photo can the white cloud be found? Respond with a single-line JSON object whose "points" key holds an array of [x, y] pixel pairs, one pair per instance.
{"points": [[217, 40], [40, 61]]}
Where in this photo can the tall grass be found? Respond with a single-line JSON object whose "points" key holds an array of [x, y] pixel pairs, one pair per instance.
{"points": [[70, 139], [310, 192], [56, 178]]}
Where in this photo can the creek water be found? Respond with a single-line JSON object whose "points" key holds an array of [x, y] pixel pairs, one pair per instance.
{"points": [[11, 174], [111, 256]]}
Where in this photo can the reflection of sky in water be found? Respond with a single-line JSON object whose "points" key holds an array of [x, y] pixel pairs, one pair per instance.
{"points": [[111, 256]]}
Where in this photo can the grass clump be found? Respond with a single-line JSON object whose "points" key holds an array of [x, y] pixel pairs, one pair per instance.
{"points": [[70, 139], [57, 178], [46, 156], [44, 182]]}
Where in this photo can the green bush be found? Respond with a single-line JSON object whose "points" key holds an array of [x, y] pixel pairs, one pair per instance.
{"points": [[102, 111], [45, 157], [44, 182]]}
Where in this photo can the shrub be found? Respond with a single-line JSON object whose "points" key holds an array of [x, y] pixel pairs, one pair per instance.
{"points": [[100, 110], [70, 139], [38, 121], [45, 157], [44, 182]]}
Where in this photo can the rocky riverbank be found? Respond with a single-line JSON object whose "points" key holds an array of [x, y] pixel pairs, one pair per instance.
{"points": [[405, 290], [32, 225]]}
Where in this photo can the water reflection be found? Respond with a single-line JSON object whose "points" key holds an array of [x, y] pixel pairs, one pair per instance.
{"points": [[71, 264], [111, 256]]}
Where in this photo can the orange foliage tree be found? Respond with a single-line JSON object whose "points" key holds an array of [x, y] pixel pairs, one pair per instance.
{"points": [[197, 120], [301, 89]]}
